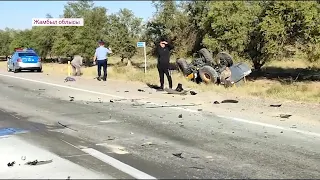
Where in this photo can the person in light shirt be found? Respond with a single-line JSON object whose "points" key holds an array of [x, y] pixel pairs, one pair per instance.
{"points": [[101, 59]]}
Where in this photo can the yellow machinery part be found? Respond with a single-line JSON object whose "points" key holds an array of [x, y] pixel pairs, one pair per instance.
{"points": [[190, 76]]}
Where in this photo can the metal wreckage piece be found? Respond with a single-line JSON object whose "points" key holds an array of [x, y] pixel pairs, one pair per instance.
{"points": [[218, 70]]}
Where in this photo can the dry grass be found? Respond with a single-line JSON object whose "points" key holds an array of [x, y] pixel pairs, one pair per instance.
{"points": [[300, 91]]}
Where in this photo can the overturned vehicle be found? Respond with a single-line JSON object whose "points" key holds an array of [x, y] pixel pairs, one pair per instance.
{"points": [[218, 70]]}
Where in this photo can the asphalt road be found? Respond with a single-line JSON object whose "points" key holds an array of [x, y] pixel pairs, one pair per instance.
{"points": [[132, 140]]}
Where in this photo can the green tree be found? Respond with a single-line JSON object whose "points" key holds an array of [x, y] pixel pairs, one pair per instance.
{"points": [[6, 39]]}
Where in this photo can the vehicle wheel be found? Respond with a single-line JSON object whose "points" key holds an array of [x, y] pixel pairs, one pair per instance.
{"points": [[8, 68], [39, 70], [183, 66], [224, 59], [14, 69], [208, 74], [204, 53]]}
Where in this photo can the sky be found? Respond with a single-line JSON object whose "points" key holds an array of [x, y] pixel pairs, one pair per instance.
{"points": [[18, 14]]}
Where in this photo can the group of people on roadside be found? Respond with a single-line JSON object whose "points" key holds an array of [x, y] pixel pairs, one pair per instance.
{"points": [[163, 48]]}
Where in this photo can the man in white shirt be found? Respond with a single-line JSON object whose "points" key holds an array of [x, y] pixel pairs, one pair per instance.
{"points": [[100, 57]]}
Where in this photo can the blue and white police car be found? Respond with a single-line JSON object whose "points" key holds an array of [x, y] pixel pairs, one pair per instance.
{"points": [[24, 59]]}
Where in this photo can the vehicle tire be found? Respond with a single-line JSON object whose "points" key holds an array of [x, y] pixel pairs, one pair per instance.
{"points": [[183, 66], [8, 69], [208, 74], [39, 70], [14, 69], [205, 53], [224, 59]]}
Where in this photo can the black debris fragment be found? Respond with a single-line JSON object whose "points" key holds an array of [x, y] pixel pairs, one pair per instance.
{"points": [[69, 79], [229, 101], [180, 116], [10, 164], [147, 144], [42, 89], [36, 162], [216, 102], [111, 138], [179, 87], [199, 109], [285, 115], [179, 155], [111, 101], [68, 178], [71, 98], [10, 86], [275, 105], [194, 167], [193, 93], [66, 126], [141, 90], [126, 91]]}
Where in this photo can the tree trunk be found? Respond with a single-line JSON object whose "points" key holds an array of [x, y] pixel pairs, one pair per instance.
{"points": [[129, 62], [122, 58]]}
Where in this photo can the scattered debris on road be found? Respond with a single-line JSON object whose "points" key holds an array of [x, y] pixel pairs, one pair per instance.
{"points": [[10, 86], [275, 105], [180, 116], [69, 79], [71, 98], [126, 91], [193, 93], [179, 155], [152, 86], [42, 89], [216, 102], [173, 91], [36, 162], [66, 126], [10, 164], [179, 87], [199, 109], [111, 138], [141, 90], [285, 116], [194, 167], [111, 101], [229, 101], [148, 144], [182, 105]]}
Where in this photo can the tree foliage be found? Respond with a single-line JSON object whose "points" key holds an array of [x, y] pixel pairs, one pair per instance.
{"points": [[259, 31]]}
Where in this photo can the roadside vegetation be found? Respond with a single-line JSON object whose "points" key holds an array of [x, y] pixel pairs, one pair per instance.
{"points": [[279, 39]]}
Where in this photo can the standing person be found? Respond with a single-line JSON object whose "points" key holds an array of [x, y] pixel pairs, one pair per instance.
{"points": [[163, 51], [100, 57], [76, 64]]}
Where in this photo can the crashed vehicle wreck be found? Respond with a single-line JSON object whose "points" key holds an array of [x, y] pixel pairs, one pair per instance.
{"points": [[218, 70]]}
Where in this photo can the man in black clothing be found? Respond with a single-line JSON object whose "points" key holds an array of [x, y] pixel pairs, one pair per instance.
{"points": [[163, 51]]}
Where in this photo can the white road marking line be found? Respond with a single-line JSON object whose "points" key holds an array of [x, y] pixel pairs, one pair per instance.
{"points": [[270, 126], [109, 121], [113, 162], [114, 148], [118, 164], [179, 108]]}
